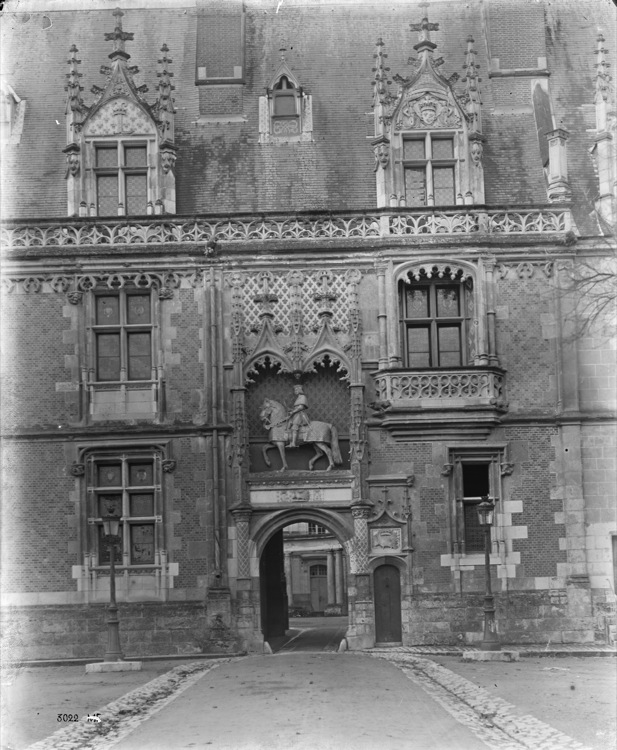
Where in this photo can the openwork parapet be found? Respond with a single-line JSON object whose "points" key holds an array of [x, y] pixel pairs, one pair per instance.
{"points": [[484, 384], [332, 226]]}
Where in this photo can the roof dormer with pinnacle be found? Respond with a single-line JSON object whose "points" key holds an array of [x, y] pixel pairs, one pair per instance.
{"points": [[426, 101], [120, 111]]}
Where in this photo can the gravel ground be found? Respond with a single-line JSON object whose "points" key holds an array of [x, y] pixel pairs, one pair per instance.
{"points": [[578, 696], [32, 697]]}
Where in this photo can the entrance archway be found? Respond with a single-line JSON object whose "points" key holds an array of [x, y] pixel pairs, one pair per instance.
{"points": [[387, 588], [303, 570]]}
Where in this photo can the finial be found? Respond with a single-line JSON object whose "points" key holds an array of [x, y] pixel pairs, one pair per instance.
{"points": [[471, 80], [380, 79], [119, 37], [603, 79], [73, 87]]}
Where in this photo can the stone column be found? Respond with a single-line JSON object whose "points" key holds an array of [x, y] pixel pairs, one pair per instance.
{"points": [[382, 316], [331, 583], [288, 578], [338, 573]]}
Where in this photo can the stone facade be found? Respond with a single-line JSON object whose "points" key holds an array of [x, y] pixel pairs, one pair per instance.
{"points": [[176, 263]]}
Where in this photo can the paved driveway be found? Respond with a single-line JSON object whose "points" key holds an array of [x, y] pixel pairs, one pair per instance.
{"points": [[302, 701]]}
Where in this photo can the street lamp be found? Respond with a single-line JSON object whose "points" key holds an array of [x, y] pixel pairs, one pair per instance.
{"points": [[486, 512], [111, 528]]}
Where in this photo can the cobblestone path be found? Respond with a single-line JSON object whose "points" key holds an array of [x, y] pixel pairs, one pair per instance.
{"points": [[491, 719]]}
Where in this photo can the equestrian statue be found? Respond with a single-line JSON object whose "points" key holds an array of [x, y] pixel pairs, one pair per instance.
{"points": [[290, 430]]}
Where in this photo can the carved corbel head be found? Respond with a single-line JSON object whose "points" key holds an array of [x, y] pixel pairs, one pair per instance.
{"points": [[477, 151], [73, 162], [381, 149], [168, 161]]}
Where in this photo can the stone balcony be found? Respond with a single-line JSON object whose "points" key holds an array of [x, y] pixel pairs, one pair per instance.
{"points": [[206, 231], [439, 404]]}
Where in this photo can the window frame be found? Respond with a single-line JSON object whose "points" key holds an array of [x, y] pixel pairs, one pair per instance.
{"points": [[279, 93], [430, 164], [491, 458], [95, 491], [316, 529], [124, 329], [433, 322], [122, 171]]}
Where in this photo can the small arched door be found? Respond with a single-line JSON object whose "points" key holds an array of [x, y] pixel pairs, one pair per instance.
{"points": [[387, 587]]}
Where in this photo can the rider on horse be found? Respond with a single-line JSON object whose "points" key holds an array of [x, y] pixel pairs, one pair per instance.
{"points": [[298, 416]]}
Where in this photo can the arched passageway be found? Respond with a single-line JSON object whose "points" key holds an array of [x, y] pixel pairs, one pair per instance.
{"points": [[303, 573]]}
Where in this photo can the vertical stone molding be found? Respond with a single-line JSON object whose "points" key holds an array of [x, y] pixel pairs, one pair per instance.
{"points": [[242, 517], [360, 514]]}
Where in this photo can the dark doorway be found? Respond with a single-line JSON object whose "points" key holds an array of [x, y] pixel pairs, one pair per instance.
{"points": [[387, 585], [274, 614]]}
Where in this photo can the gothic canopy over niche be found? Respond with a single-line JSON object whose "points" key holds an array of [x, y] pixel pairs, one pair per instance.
{"points": [[120, 150], [297, 319], [428, 137]]}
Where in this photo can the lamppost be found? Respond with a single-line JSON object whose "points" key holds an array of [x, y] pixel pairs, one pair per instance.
{"points": [[111, 527], [490, 640]]}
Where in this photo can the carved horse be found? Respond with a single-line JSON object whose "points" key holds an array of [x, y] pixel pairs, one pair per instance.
{"points": [[323, 436]]}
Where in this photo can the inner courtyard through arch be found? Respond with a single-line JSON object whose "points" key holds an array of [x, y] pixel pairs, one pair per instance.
{"points": [[303, 588]]}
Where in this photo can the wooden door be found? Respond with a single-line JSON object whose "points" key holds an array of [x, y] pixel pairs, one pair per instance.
{"points": [[387, 586], [319, 588]]}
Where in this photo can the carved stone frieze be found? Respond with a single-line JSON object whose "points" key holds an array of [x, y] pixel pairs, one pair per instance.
{"points": [[525, 269], [75, 285]]}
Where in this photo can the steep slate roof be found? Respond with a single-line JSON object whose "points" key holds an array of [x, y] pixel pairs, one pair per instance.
{"points": [[222, 168]]}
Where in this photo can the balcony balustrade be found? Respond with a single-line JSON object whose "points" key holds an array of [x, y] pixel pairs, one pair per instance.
{"points": [[436, 404], [384, 223]]}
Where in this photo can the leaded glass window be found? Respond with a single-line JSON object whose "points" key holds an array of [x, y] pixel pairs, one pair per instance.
{"points": [[121, 172], [123, 336], [126, 486], [429, 170], [434, 323]]}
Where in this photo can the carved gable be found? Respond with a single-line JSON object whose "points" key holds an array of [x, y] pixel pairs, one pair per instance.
{"points": [[119, 117]]}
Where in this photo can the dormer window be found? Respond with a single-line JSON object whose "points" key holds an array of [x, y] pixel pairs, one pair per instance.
{"points": [[429, 170], [428, 141], [285, 111], [285, 108], [120, 150]]}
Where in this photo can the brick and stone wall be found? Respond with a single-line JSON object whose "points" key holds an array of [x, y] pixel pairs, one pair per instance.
{"points": [[148, 629]]}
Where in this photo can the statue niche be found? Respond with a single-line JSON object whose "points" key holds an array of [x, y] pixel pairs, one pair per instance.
{"points": [[288, 429], [308, 424]]}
